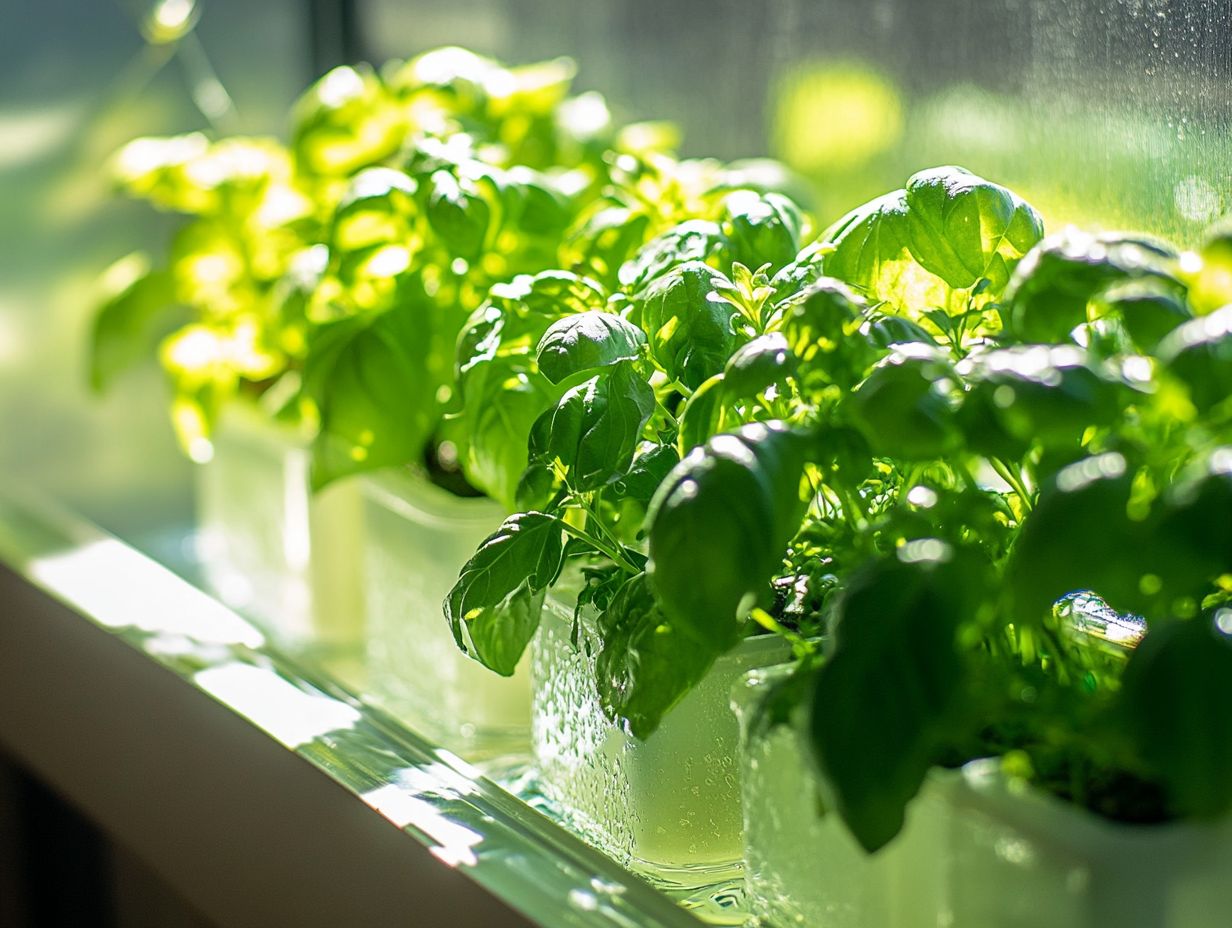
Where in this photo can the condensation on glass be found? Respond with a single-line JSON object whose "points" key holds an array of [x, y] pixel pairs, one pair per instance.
{"points": [[1115, 114]]}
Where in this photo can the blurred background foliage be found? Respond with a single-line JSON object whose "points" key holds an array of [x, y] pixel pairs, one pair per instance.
{"points": [[1112, 113]]}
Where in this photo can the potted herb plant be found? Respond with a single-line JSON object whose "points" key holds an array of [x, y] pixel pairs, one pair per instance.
{"points": [[324, 284], [1093, 790], [227, 348], [613, 358]]}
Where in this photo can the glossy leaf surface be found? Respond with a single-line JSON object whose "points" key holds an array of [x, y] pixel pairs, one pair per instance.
{"points": [[495, 606]]}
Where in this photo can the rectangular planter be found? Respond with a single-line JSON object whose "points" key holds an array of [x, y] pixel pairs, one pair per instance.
{"points": [[1023, 858], [667, 807], [271, 548], [417, 538], [976, 852], [802, 867]]}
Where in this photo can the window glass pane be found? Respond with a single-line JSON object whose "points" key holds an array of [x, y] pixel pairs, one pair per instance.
{"points": [[77, 80], [1115, 113]]}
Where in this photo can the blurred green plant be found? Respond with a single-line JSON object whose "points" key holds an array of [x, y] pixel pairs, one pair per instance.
{"points": [[329, 278]]}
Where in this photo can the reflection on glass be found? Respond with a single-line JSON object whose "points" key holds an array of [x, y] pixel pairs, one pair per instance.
{"points": [[1115, 114], [276, 705], [123, 589], [455, 842], [451, 779], [442, 803], [835, 116]]}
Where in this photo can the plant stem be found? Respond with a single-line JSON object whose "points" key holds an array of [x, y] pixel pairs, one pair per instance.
{"points": [[681, 389], [801, 645], [1011, 476], [819, 498], [853, 507], [601, 546], [593, 520]]}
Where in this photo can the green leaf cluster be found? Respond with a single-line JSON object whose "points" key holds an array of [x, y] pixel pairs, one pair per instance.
{"points": [[1046, 576], [978, 478], [331, 275], [652, 347]]}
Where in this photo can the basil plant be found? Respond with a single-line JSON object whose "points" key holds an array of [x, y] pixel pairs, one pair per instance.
{"points": [[329, 277], [733, 421], [1043, 574]]}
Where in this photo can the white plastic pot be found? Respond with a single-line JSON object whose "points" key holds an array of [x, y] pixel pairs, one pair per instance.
{"points": [[271, 548], [417, 538], [667, 807]]}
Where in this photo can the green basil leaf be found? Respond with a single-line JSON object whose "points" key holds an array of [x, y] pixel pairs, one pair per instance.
{"points": [[449, 74], [161, 171], [695, 240], [1192, 530], [821, 326], [374, 210], [702, 415], [885, 331], [948, 230], [1199, 355], [371, 382], [804, 271], [870, 246], [965, 229], [906, 406], [345, 121], [1148, 309], [587, 342], [127, 326], [1047, 296], [761, 229], [502, 399], [605, 241], [1039, 393], [895, 655], [647, 663], [720, 523], [502, 391], [534, 207], [549, 295], [538, 485], [1077, 538], [651, 465], [517, 314], [690, 327], [595, 428], [494, 608], [459, 215], [764, 362]]}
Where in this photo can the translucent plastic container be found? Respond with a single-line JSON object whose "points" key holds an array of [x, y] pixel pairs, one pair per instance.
{"points": [[667, 807], [976, 852], [802, 867], [418, 537], [1022, 858], [271, 548]]}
